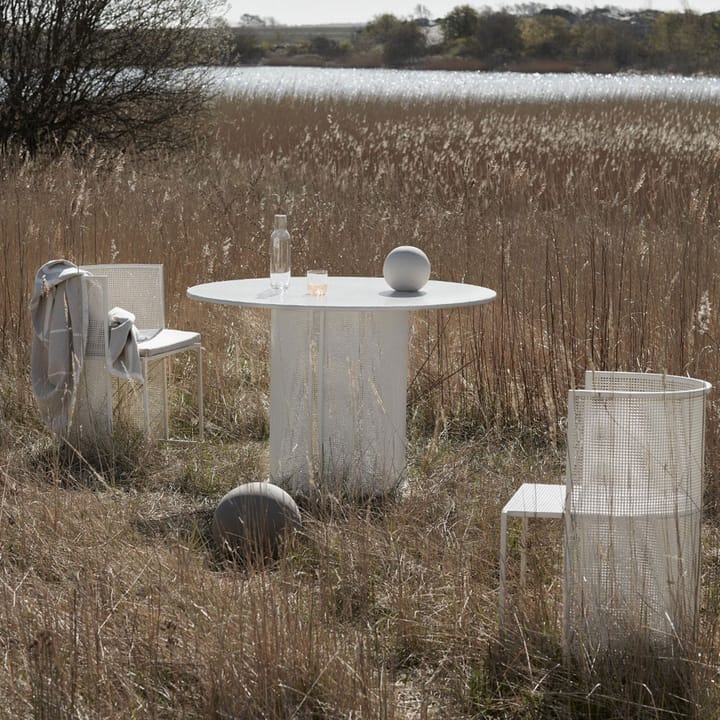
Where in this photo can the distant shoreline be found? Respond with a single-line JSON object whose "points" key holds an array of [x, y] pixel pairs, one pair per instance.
{"points": [[602, 40]]}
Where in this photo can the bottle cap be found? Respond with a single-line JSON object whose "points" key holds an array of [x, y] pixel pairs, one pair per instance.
{"points": [[280, 221]]}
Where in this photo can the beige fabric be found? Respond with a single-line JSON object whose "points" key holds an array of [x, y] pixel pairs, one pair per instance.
{"points": [[59, 315], [123, 345]]}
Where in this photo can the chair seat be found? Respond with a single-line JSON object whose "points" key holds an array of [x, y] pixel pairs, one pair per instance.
{"points": [[531, 500], [159, 342], [538, 500]]}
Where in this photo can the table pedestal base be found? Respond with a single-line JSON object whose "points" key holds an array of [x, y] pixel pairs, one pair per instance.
{"points": [[338, 400]]}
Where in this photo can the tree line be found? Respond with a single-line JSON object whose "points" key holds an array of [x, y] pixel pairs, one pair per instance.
{"points": [[605, 39]]}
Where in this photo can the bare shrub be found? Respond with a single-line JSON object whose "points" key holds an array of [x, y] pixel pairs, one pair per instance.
{"points": [[100, 71]]}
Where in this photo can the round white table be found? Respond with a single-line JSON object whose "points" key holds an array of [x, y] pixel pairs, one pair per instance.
{"points": [[338, 375]]}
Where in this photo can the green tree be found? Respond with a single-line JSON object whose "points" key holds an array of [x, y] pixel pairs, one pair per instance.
{"points": [[402, 40], [685, 42], [461, 22], [245, 47], [545, 36], [326, 47], [498, 36], [605, 42], [381, 27], [105, 71], [406, 41]]}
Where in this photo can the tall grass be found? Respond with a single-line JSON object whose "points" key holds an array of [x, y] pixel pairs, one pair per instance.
{"points": [[597, 224]]}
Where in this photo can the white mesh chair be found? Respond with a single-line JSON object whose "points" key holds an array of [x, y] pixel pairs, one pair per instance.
{"points": [[634, 503], [632, 507], [140, 289]]}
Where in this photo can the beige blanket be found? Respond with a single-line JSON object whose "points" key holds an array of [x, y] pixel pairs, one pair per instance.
{"points": [[123, 345], [59, 317]]}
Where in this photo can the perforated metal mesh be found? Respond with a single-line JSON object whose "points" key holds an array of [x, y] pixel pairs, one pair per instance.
{"points": [[138, 288], [337, 401], [634, 500]]}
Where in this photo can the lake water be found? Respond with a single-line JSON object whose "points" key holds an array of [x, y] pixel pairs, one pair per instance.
{"points": [[429, 84]]}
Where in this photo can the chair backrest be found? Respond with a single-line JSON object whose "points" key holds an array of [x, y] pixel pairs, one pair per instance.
{"points": [[634, 499], [137, 288], [636, 443]]}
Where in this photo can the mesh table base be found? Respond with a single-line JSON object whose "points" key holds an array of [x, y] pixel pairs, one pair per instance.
{"points": [[337, 400]]}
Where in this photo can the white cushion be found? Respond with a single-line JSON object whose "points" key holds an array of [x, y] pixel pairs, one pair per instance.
{"points": [[539, 500], [158, 342]]}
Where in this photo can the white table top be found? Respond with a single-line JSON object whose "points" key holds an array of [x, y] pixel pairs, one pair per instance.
{"points": [[344, 293]]}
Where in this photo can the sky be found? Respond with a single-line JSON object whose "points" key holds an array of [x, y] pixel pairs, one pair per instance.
{"points": [[314, 12]]}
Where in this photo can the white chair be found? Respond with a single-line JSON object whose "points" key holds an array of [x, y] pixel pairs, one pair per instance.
{"points": [[140, 289], [632, 504]]}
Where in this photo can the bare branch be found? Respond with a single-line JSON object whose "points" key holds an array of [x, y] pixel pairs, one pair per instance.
{"points": [[103, 71]]}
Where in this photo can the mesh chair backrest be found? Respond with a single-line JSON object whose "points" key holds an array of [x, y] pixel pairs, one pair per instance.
{"points": [[636, 443], [634, 500], [137, 288], [643, 382]]}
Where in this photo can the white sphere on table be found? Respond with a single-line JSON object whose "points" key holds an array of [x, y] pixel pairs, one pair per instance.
{"points": [[406, 269]]}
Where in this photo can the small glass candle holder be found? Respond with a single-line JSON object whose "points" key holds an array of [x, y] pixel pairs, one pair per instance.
{"points": [[317, 282]]}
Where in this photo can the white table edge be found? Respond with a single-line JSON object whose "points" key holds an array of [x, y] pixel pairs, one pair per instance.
{"points": [[375, 295]]}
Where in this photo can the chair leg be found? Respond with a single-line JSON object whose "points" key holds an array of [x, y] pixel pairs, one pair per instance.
{"points": [[146, 398], [523, 553], [503, 562], [166, 420], [503, 565], [566, 592], [200, 393]]}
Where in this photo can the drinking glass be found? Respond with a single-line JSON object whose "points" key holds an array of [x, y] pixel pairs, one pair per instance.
{"points": [[317, 282]]}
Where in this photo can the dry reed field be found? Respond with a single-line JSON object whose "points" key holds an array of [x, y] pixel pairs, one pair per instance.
{"points": [[599, 227]]}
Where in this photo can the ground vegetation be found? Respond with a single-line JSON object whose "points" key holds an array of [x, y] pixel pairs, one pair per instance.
{"points": [[597, 226]]}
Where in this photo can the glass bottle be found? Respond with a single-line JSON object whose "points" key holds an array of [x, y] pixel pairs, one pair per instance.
{"points": [[280, 254]]}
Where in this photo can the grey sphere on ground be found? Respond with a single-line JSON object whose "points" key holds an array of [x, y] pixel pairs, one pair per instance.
{"points": [[252, 520], [406, 269]]}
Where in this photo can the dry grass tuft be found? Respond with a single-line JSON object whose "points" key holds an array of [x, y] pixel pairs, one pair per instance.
{"points": [[596, 224]]}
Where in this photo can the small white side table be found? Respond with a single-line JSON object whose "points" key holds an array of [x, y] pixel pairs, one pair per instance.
{"points": [[338, 375]]}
